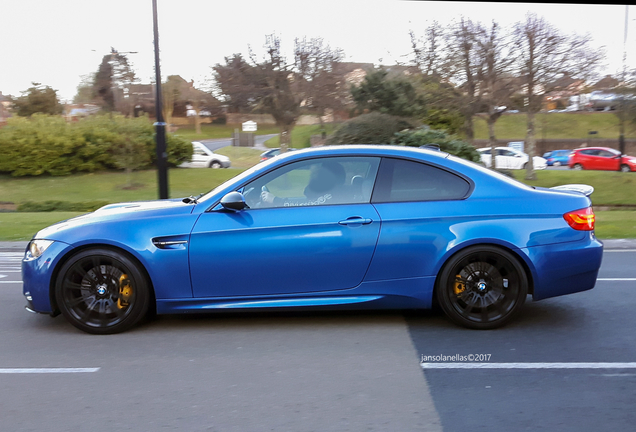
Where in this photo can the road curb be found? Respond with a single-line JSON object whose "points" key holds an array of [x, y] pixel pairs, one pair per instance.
{"points": [[610, 244]]}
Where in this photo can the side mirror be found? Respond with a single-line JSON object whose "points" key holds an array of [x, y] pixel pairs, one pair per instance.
{"points": [[234, 201]]}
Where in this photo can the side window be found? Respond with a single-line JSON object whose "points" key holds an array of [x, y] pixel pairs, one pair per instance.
{"points": [[607, 154], [404, 180], [321, 181]]}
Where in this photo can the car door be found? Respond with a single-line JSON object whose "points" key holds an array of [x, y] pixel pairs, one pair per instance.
{"points": [[607, 160], [417, 204], [298, 243]]}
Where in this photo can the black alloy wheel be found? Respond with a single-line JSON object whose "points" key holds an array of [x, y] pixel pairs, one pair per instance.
{"points": [[482, 287], [101, 291]]}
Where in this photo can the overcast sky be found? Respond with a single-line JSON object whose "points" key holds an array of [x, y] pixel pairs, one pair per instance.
{"points": [[55, 42]]}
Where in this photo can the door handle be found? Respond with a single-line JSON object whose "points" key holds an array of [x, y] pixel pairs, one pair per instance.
{"points": [[355, 220]]}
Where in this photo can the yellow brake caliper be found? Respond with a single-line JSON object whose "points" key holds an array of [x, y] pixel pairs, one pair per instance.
{"points": [[460, 287], [125, 291]]}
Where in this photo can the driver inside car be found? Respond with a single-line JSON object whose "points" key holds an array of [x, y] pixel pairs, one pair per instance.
{"points": [[324, 187]]}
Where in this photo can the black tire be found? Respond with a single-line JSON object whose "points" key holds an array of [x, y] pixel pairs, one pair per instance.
{"points": [[482, 287], [625, 168], [102, 291], [578, 167], [215, 165]]}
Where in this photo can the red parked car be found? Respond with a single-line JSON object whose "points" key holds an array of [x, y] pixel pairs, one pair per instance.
{"points": [[601, 158]]}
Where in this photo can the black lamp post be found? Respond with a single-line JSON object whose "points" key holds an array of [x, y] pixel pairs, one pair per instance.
{"points": [[160, 124]]}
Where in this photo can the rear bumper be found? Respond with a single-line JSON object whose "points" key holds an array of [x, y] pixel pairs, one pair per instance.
{"points": [[565, 268]]}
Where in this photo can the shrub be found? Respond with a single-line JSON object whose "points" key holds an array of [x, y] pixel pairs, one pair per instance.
{"points": [[372, 128], [448, 143], [49, 145]]}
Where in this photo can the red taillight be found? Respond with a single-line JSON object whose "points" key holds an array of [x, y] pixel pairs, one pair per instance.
{"points": [[582, 220]]}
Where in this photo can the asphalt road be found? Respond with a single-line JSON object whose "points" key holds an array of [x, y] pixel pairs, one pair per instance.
{"points": [[326, 371]]}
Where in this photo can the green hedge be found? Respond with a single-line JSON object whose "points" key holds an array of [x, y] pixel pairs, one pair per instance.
{"points": [[46, 144], [372, 128]]}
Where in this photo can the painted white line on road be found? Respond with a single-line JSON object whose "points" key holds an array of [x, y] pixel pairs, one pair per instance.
{"points": [[620, 250], [46, 370], [615, 279], [528, 365], [11, 282]]}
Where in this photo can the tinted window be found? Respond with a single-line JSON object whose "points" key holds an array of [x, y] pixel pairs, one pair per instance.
{"points": [[403, 180], [589, 152], [321, 181]]}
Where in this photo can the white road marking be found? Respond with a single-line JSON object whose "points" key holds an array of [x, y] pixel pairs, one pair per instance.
{"points": [[620, 250], [11, 282], [469, 365], [615, 279], [47, 370]]}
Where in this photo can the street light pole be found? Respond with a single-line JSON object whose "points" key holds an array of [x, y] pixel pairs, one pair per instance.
{"points": [[160, 124]]}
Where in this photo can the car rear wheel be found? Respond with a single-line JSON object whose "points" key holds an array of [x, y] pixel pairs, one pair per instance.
{"points": [[101, 291], [482, 287], [625, 168], [577, 167], [556, 163], [215, 165]]}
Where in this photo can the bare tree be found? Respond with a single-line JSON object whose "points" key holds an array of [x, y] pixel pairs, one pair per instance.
{"points": [[543, 54], [316, 79], [494, 78], [465, 69], [429, 51]]}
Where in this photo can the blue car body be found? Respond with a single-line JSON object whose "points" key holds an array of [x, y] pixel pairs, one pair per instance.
{"points": [[200, 256], [557, 157]]}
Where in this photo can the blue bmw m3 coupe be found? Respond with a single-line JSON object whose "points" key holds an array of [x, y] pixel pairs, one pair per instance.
{"points": [[343, 227]]}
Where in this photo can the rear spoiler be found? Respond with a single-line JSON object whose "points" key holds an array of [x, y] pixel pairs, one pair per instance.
{"points": [[580, 188]]}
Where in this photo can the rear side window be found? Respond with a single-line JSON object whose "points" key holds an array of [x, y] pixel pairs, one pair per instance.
{"points": [[402, 180]]}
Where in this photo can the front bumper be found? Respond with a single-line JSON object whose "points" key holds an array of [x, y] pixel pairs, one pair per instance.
{"points": [[37, 277]]}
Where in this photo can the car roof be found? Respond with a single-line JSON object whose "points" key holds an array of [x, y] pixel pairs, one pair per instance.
{"points": [[595, 148]]}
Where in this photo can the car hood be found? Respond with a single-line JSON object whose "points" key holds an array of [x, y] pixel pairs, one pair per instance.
{"points": [[119, 212]]}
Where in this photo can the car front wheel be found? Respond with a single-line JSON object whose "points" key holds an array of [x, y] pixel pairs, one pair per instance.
{"points": [[102, 291], [625, 168], [215, 164], [482, 287]]}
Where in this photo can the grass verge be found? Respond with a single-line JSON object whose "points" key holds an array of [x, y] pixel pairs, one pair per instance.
{"points": [[555, 126], [212, 131]]}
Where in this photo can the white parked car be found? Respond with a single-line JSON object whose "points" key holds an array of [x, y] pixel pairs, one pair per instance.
{"points": [[509, 158], [203, 157]]}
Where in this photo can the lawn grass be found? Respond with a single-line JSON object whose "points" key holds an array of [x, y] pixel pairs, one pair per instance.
{"points": [[213, 131], [241, 157], [555, 126], [22, 226], [611, 188], [301, 135], [108, 186]]}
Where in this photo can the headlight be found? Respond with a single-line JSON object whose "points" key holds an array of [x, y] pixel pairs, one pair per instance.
{"points": [[37, 248]]}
